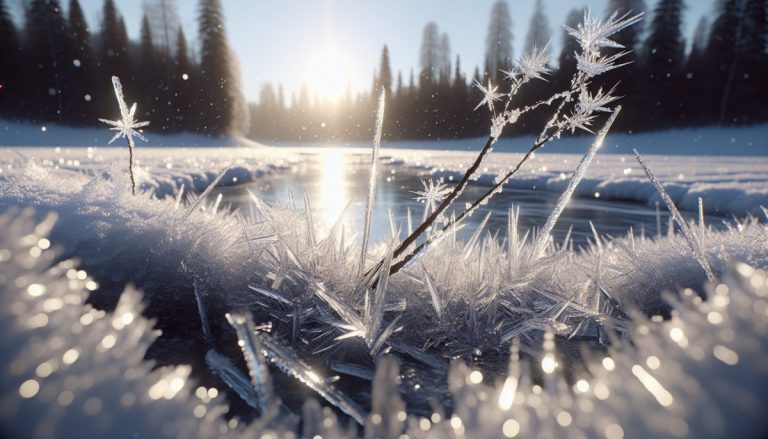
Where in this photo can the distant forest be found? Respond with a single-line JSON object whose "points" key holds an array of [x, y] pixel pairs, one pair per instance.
{"points": [[55, 70], [721, 79]]}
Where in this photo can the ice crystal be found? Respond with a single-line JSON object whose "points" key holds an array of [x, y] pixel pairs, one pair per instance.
{"points": [[126, 126], [598, 102], [693, 243], [533, 64], [543, 239], [490, 94], [593, 34], [373, 177], [432, 194]]}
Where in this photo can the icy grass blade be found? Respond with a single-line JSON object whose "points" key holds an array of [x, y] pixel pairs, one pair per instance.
{"points": [[374, 311], [254, 356], [272, 294], [346, 312], [437, 302], [291, 365], [222, 367], [200, 299], [372, 181], [698, 251], [544, 235], [179, 197], [469, 248], [204, 195]]}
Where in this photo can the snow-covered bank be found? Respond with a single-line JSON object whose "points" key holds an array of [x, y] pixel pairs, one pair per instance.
{"points": [[160, 170], [727, 185]]}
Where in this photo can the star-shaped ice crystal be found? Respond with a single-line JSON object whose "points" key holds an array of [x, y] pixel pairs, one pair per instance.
{"points": [[127, 126], [490, 94]]}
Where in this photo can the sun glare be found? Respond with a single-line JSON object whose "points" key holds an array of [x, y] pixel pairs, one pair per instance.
{"points": [[327, 75]]}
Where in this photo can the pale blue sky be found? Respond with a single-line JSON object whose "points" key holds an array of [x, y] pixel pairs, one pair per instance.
{"points": [[280, 40]]}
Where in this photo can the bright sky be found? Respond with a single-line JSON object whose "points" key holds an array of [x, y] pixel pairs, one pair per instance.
{"points": [[289, 41]]}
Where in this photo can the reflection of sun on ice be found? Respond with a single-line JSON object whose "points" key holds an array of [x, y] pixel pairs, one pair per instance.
{"points": [[333, 189], [327, 75]]}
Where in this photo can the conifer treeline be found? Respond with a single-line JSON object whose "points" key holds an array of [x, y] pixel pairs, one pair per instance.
{"points": [[54, 69], [720, 80]]}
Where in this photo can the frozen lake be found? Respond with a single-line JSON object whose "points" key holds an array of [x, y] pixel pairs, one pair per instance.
{"points": [[336, 178]]}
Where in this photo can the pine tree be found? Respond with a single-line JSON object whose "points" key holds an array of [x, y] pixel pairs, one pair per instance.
{"points": [[539, 33], [459, 102], [429, 60], [385, 72], [12, 95], [182, 78], [113, 60], [739, 33], [147, 81], [696, 78], [662, 66], [498, 42], [50, 61], [444, 59], [84, 74], [217, 82]]}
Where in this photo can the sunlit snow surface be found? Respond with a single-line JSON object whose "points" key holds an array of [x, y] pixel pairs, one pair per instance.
{"points": [[569, 317]]}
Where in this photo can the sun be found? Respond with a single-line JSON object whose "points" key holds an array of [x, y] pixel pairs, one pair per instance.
{"points": [[327, 75]]}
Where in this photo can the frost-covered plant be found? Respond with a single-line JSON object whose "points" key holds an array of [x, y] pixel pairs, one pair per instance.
{"points": [[593, 36], [126, 126], [72, 371]]}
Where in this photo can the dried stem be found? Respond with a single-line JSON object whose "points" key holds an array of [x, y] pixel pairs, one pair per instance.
{"points": [[130, 165]]}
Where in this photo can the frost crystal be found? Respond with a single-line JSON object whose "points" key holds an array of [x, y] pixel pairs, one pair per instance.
{"points": [[490, 94], [373, 176], [534, 63], [127, 126], [592, 35]]}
